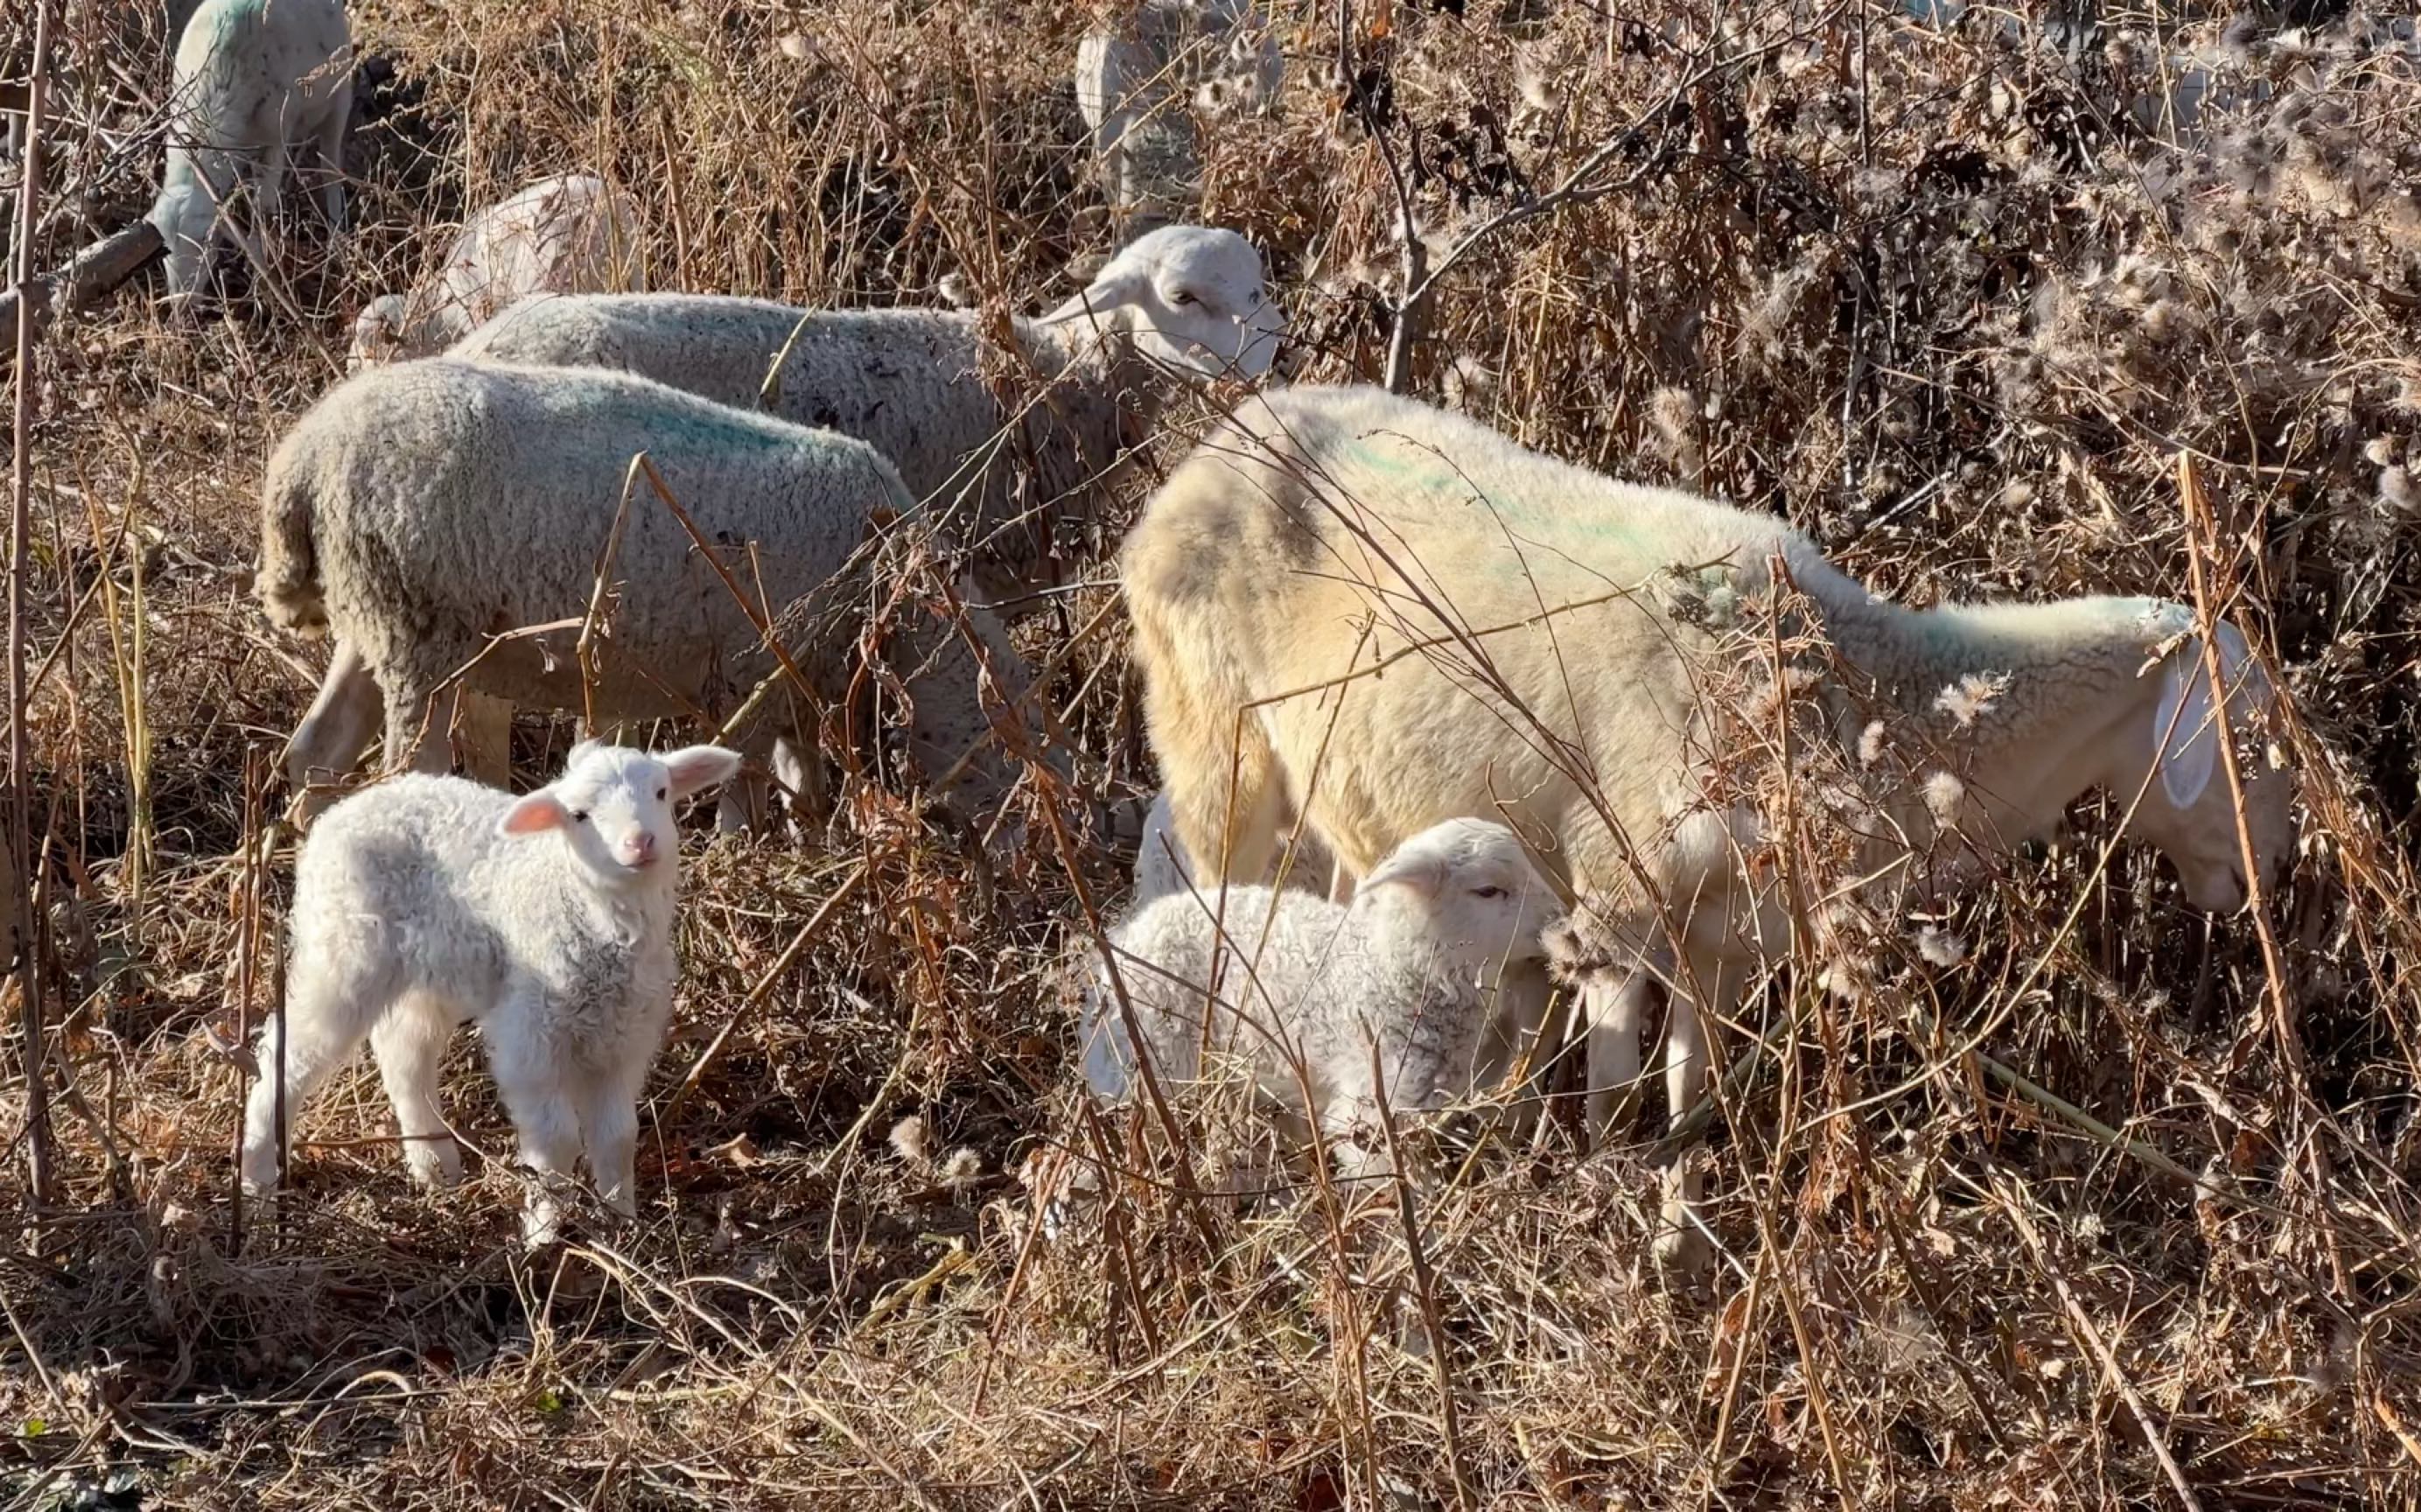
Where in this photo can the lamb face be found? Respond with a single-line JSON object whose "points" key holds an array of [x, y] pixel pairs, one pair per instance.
{"points": [[1473, 889], [2189, 809], [613, 808], [1187, 297]]}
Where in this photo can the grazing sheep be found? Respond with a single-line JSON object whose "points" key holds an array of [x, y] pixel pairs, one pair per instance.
{"points": [[1134, 83], [420, 508], [1304, 986], [425, 901], [911, 382], [254, 80], [1544, 633], [570, 234]]}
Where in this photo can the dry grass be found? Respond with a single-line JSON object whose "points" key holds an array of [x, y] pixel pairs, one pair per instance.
{"points": [[1953, 302]]}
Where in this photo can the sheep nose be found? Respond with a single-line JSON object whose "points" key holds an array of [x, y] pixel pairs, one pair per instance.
{"points": [[639, 849]]}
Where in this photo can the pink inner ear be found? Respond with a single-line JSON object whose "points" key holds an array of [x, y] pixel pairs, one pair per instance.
{"points": [[532, 814]]}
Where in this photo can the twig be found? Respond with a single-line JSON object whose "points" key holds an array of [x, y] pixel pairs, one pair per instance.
{"points": [[29, 970], [765, 985]]}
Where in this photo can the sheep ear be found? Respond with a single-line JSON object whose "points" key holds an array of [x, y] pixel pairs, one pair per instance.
{"points": [[534, 814], [697, 767], [2183, 720], [1112, 288], [1424, 875]]}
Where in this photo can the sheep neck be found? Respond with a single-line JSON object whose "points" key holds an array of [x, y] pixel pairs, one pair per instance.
{"points": [[2069, 675]]}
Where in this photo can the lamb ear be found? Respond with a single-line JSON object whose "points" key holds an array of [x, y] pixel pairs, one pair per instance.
{"points": [[1112, 288], [1424, 875], [697, 767], [2183, 720], [534, 814]]}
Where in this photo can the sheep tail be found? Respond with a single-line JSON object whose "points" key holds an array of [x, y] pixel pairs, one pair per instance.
{"points": [[288, 581]]}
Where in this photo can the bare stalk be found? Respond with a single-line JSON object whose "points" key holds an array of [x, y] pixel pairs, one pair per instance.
{"points": [[29, 970]]}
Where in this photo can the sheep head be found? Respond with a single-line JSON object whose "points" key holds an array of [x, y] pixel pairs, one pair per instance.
{"points": [[1185, 297], [613, 808], [1472, 888], [2189, 809]]}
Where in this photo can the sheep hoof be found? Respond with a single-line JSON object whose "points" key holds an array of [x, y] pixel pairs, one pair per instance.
{"points": [[435, 1163]]}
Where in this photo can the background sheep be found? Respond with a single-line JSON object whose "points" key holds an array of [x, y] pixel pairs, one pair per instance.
{"points": [[427, 901], [254, 80], [1187, 299], [570, 234], [1301, 988], [1135, 81], [1542, 663], [418, 509]]}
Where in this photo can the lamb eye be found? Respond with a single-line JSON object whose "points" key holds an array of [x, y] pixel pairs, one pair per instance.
{"points": [[660, 793], [1488, 891], [1186, 296], [580, 816]]}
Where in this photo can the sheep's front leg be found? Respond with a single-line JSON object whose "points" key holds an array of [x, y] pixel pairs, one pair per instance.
{"points": [[483, 730], [410, 1044], [338, 726], [332, 153], [1614, 1003], [1699, 1002], [530, 1078], [609, 1121]]}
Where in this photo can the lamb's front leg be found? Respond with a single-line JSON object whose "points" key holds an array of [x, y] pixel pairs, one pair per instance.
{"points": [[532, 1079], [609, 1121]]}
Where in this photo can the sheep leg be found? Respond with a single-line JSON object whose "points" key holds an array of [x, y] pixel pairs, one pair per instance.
{"points": [[530, 1080], [338, 726], [331, 150], [415, 741], [609, 1122], [332, 1002], [1699, 1005], [1614, 1007], [1512, 1031], [410, 1044], [796, 769]]}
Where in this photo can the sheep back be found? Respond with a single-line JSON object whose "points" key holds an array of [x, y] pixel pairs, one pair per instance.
{"points": [[909, 382]]}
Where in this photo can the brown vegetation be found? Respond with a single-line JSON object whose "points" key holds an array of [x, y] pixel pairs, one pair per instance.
{"points": [[1953, 298]]}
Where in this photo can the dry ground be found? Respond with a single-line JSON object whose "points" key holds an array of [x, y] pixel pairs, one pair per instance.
{"points": [[1954, 298]]}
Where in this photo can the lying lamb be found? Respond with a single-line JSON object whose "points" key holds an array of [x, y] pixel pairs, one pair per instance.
{"points": [[1411, 965], [254, 80], [1534, 630], [570, 234], [420, 508], [427, 901], [1185, 300], [1135, 81]]}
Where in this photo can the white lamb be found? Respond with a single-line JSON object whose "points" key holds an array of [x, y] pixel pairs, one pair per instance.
{"points": [[1140, 85], [1540, 637], [254, 80], [1187, 302], [570, 234], [1300, 988], [427, 901], [418, 509]]}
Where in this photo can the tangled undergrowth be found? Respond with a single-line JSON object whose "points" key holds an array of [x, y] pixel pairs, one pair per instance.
{"points": [[2068, 1195]]}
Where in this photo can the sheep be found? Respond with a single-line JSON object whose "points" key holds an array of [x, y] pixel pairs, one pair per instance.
{"points": [[428, 900], [1542, 632], [419, 509], [1304, 986], [254, 79], [911, 382], [1134, 84], [570, 234]]}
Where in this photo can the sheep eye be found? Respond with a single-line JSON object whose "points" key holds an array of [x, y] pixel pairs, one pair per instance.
{"points": [[660, 793], [1185, 297], [1488, 891], [580, 816]]}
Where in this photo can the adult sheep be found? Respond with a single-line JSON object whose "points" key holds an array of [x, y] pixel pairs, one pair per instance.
{"points": [[254, 80], [1548, 637], [570, 234], [1141, 81], [420, 509]]}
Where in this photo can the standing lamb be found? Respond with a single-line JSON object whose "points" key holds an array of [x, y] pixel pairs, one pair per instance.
{"points": [[1134, 82], [1187, 299], [254, 80], [570, 234], [1544, 633], [427, 901], [1301, 988], [420, 509]]}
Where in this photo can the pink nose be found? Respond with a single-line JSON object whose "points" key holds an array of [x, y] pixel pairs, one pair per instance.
{"points": [[639, 849]]}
